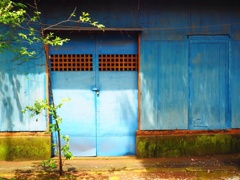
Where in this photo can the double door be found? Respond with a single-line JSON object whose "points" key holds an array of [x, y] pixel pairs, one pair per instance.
{"points": [[98, 72]]}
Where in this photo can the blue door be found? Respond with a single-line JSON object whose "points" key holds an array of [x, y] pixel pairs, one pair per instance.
{"points": [[98, 72], [117, 101], [208, 78]]}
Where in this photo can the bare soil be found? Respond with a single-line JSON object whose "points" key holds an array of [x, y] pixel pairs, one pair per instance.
{"points": [[200, 167]]}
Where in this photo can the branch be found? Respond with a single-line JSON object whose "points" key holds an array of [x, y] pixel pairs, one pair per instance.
{"points": [[72, 14], [64, 21]]}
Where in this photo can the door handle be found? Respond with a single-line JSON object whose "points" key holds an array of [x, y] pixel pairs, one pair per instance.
{"points": [[96, 90]]}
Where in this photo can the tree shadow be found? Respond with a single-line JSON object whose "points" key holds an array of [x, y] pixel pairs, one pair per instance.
{"points": [[39, 172]]}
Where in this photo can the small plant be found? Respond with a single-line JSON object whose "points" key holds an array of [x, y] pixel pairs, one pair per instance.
{"points": [[50, 163], [36, 109]]}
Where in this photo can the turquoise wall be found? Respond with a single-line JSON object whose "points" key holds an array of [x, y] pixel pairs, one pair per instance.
{"points": [[165, 68], [164, 59], [21, 83]]}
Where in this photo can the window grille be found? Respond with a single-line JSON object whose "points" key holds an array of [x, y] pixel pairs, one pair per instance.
{"points": [[71, 62], [118, 62]]}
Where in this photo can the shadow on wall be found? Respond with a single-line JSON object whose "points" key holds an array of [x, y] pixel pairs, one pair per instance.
{"points": [[10, 90], [21, 83]]}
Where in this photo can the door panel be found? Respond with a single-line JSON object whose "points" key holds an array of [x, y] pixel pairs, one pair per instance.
{"points": [[117, 101], [117, 122], [79, 113], [208, 80], [117, 43], [101, 118], [83, 145]]}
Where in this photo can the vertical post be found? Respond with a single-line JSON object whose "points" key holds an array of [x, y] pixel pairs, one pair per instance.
{"points": [[47, 80], [139, 85], [50, 99]]}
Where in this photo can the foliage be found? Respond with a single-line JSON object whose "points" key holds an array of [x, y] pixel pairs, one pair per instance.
{"points": [[12, 13], [20, 29], [36, 109], [50, 163], [85, 17], [17, 26]]}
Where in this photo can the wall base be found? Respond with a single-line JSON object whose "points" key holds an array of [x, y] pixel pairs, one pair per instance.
{"points": [[24, 147], [152, 145]]}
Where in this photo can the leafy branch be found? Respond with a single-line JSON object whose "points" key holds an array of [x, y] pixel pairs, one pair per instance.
{"points": [[21, 28], [19, 31], [35, 110]]}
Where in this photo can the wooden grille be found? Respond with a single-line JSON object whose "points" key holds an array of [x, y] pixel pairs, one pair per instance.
{"points": [[118, 62], [71, 62]]}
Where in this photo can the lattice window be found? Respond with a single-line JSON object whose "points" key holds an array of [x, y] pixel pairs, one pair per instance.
{"points": [[118, 62], [71, 62]]}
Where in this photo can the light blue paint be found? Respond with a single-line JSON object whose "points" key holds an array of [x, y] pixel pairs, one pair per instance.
{"points": [[79, 114], [117, 113], [164, 57], [164, 51], [21, 83], [101, 124], [116, 145]]}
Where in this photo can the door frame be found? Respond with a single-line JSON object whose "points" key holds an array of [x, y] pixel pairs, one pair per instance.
{"points": [[211, 39], [48, 76]]}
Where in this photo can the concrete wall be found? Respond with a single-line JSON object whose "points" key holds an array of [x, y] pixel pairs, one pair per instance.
{"points": [[160, 145], [25, 146]]}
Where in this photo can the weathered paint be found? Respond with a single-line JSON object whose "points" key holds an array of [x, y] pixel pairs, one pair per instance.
{"points": [[164, 50], [164, 91], [164, 65], [208, 82], [25, 147], [187, 145], [102, 124], [21, 83], [234, 84]]}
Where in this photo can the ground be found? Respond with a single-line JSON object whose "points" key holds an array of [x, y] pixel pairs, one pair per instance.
{"points": [[199, 167]]}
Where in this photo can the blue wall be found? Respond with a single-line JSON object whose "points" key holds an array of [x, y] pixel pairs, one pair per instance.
{"points": [[164, 56], [21, 83]]}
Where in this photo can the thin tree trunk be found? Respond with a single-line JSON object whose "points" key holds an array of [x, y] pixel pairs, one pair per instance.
{"points": [[59, 150], [51, 100]]}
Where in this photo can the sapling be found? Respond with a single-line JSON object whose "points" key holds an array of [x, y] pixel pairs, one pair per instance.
{"points": [[36, 109]]}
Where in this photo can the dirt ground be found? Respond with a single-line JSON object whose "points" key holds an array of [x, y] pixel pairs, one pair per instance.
{"points": [[135, 175], [200, 167]]}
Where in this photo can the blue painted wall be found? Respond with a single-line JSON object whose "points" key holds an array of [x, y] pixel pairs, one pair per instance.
{"points": [[21, 83], [164, 72], [208, 82], [103, 122]]}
